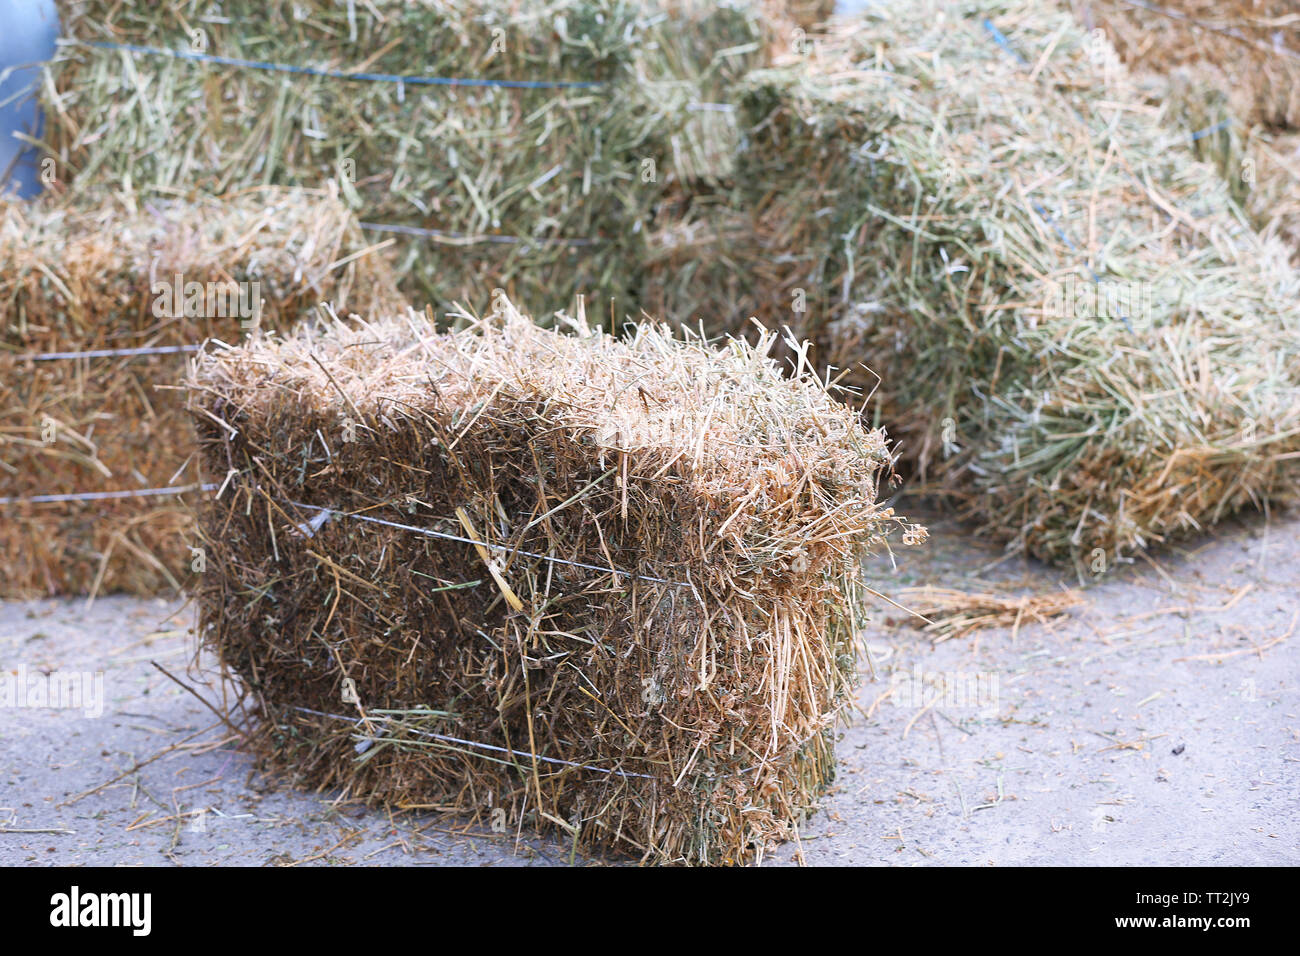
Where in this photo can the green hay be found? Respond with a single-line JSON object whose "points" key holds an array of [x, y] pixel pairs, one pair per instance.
{"points": [[542, 192], [968, 226]]}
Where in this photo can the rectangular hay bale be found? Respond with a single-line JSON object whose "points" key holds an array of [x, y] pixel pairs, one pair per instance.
{"points": [[1064, 317], [607, 586], [101, 276], [1251, 48], [1260, 164], [538, 189]]}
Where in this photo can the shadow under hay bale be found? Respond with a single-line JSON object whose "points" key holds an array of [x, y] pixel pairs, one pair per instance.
{"points": [[110, 277], [1062, 314], [557, 580]]}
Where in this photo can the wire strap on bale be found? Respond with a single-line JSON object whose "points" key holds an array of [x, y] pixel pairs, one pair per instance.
{"points": [[343, 75], [472, 743], [105, 495], [106, 353], [429, 532]]}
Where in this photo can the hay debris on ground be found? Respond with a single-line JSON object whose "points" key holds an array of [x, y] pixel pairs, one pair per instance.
{"points": [[605, 587], [111, 276], [947, 613], [1063, 316]]}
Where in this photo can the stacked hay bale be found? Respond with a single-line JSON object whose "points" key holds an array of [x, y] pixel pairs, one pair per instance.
{"points": [[605, 586], [113, 277], [1272, 171], [1228, 76], [1249, 49], [534, 173], [1260, 164], [790, 23], [1065, 317]]}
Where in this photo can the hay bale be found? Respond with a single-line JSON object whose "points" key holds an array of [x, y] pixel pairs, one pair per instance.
{"points": [[789, 24], [1249, 49], [1066, 319], [1273, 175], [1228, 76], [541, 191], [606, 586], [88, 278], [1259, 164]]}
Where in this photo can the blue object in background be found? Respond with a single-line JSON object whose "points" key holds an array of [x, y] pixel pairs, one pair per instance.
{"points": [[27, 32]]}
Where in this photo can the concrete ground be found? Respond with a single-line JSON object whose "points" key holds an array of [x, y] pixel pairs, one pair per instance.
{"points": [[1157, 723]]}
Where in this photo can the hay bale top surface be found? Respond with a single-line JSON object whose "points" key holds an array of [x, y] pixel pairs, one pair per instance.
{"points": [[87, 270], [1059, 176], [294, 235], [726, 418]]}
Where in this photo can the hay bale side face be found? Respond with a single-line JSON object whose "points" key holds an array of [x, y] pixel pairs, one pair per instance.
{"points": [[645, 705], [86, 278], [540, 191], [1066, 311]]}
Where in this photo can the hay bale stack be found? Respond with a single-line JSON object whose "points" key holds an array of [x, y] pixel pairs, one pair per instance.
{"points": [[606, 586], [93, 277], [540, 190], [1075, 330], [1249, 49]]}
